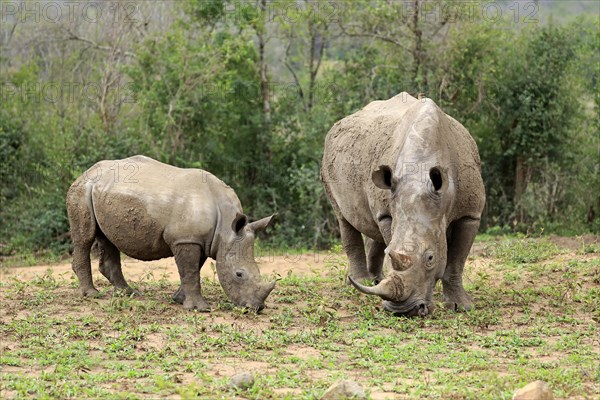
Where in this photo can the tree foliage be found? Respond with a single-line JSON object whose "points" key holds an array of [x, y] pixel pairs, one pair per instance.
{"points": [[248, 90]]}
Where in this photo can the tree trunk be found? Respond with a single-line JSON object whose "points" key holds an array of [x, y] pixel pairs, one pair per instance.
{"points": [[317, 47], [264, 79], [311, 83], [520, 183], [417, 51]]}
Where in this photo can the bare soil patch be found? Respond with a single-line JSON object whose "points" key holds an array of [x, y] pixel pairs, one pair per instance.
{"points": [[136, 270]]}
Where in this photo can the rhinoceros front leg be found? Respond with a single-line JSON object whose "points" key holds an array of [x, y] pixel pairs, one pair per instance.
{"points": [[188, 258], [375, 256], [461, 239], [110, 264], [355, 250], [179, 296]]}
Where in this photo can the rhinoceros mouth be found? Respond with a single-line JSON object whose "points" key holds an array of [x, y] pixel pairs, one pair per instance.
{"points": [[250, 308], [256, 308], [413, 308]]}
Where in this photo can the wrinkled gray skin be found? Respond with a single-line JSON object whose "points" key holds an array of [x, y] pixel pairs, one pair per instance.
{"points": [[406, 176], [150, 210]]}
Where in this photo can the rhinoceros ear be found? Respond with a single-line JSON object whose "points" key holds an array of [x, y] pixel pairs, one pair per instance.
{"points": [[261, 224], [239, 222], [384, 178]]}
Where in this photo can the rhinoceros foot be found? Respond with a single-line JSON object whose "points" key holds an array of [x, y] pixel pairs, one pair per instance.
{"points": [[457, 300], [178, 296], [190, 303], [196, 304], [91, 292], [127, 291]]}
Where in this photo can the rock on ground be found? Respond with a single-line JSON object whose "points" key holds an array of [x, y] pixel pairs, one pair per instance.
{"points": [[244, 380], [344, 390], [537, 390]]}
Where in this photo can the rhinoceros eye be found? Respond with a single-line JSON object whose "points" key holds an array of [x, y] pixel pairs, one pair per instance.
{"points": [[429, 259], [240, 274], [436, 178]]}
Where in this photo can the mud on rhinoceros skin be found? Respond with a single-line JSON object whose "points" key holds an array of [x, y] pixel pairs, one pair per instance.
{"points": [[406, 176], [161, 211]]}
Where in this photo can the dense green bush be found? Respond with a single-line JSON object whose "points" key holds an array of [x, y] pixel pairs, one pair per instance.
{"points": [[191, 93]]}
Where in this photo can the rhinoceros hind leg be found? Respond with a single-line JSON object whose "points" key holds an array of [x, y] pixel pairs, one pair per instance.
{"points": [[83, 269], [110, 264], [189, 257], [461, 239], [355, 250], [82, 225], [375, 255]]}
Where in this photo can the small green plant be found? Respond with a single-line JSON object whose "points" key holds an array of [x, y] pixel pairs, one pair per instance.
{"points": [[591, 248], [525, 250]]}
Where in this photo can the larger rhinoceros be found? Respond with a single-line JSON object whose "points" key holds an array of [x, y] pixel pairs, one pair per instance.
{"points": [[150, 210], [407, 176]]}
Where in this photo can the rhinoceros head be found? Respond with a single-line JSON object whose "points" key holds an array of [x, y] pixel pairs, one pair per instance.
{"points": [[237, 270], [417, 249]]}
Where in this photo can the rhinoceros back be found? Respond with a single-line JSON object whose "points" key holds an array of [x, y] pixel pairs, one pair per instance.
{"points": [[144, 206], [389, 133], [354, 147]]}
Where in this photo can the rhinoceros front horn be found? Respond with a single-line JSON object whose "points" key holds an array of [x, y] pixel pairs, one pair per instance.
{"points": [[266, 289], [390, 288]]}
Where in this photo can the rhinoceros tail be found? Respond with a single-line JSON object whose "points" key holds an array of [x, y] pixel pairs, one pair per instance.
{"points": [[80, 211]]}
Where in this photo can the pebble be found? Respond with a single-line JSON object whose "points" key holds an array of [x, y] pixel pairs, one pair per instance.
{"points": [[344, 390], [537, 390], [244, 380]]}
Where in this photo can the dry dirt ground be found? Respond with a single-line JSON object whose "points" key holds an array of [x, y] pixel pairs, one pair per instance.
{"points": [[271, 262], [135, 270], [533, 320]]}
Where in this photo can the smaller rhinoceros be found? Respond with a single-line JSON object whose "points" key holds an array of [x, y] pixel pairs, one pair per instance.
{"points": [[149, 210]]}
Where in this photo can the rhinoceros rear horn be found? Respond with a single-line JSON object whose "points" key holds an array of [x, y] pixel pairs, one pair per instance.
{"points": [[388, 289], [400, 262]]}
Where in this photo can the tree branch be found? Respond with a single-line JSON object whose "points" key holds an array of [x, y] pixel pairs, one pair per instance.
{"points": [[73, 36], [289, 67], [373, 35]]}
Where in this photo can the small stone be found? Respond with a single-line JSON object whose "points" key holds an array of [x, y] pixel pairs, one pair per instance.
{"points": [[244, 380], [344, 390], [537, 390]]}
